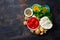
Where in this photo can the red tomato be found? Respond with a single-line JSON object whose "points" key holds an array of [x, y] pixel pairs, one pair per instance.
{"points": [[33, 23]]}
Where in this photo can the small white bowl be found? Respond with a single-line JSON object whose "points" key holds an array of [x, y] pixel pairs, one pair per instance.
{"points": [[46, 23], [30, 10]]}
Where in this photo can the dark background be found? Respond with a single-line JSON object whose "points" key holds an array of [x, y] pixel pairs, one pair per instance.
{"points": [[11, 20]]}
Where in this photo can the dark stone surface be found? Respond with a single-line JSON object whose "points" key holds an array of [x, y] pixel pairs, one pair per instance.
{"points": [[11, 20]]}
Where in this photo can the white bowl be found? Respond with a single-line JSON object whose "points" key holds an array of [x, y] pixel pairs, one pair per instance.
{"points": [[45, 23], [30, 10]]}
